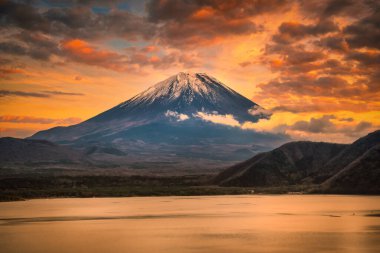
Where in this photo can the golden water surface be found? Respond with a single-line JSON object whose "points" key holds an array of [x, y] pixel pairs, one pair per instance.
{"points": [[233, 224]]}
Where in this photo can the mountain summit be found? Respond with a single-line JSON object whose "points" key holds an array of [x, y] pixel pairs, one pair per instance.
{"points": [[185, 109], [184, 96]]}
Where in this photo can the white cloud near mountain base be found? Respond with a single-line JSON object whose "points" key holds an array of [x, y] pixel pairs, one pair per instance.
{"points": [[260, 111], [227, 119], [177, 116]]}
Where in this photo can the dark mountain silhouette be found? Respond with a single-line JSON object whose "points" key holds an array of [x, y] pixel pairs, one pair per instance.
{"points": [[353, 168], [347, 156], [13, 150], [360, 176], [286, 165]]}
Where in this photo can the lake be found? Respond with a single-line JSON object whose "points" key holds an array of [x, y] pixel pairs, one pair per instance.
{"points": [[231, 224]]}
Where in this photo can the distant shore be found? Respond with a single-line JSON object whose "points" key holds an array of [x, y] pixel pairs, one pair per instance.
{"points": [[32, 187]]}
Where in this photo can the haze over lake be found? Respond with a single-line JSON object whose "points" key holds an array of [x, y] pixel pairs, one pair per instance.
{"points": [[259, 223]]}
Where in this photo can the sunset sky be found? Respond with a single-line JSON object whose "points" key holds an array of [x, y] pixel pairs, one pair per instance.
{"points": [[314, 64]]}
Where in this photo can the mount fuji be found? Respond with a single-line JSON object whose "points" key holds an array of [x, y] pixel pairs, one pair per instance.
{"points": [[188, 116]]}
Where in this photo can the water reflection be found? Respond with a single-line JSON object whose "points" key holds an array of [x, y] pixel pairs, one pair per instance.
{"points": [[193, 224]]}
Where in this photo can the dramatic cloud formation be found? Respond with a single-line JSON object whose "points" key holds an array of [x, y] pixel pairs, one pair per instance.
{"points": [[189, 23], [74, 20], [292, 31], [330, 66], [314, 64]]}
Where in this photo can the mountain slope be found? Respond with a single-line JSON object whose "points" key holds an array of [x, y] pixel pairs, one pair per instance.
{"points": [[347, 156], [353, 168], [13, 150], [286, 165], [360, 176]]}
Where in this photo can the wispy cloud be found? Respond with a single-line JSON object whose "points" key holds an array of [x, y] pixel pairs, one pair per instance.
{"points": [[227, 119], [42, 94], [63, 93], [5, 93], [38, 120]]}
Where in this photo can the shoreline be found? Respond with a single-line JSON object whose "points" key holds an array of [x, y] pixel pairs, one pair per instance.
{"points": [[34, 186], [218, 191]]}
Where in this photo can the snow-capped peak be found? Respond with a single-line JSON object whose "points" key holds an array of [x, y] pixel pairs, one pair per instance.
{"points": [[183, 85], [189, 93]]}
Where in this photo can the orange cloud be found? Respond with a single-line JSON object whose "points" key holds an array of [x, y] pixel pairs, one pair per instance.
{"points": [[154, 59], [81, 51], [6, 72], [150, 49], [276, 63], [203, 13]]}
